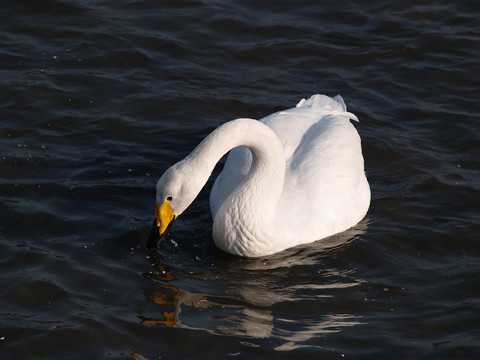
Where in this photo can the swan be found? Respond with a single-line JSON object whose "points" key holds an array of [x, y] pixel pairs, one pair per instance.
{"points": [[293, 177]]}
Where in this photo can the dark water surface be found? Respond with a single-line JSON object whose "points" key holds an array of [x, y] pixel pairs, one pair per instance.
{"points": [[98, 98]]}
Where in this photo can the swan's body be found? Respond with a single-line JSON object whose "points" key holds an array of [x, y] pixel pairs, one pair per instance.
{"points": [[293, 177]]}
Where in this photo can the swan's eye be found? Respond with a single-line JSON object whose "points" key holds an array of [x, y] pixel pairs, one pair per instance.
{"points": [[169, 198]]}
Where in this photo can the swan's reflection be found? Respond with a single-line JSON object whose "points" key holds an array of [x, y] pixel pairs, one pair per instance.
{"points": [[186, 309], [256, 298]]}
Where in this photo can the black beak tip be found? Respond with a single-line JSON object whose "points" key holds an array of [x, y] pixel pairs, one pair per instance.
{"points": [[154, 238]]}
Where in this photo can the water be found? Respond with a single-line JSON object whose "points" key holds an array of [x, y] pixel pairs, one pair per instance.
{"points": [[98, 98]]}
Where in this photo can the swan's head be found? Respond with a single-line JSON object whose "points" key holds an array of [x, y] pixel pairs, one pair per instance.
{"points": [[175, 192]]}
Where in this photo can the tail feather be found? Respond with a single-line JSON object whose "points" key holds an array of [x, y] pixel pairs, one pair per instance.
{"points": [[332, 106]]}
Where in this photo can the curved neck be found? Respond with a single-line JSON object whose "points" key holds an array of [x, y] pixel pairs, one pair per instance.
{"points": [[267, 171]]}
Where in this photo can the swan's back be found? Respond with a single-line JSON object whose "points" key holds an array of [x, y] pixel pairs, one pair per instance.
{"points": [[291, 125], [324, 178]]}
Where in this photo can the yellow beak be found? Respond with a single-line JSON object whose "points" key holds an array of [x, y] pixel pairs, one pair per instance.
{"points": [[164, 217]]}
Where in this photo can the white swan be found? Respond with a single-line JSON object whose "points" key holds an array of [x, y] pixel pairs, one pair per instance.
{"points": [[293, 177]]}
